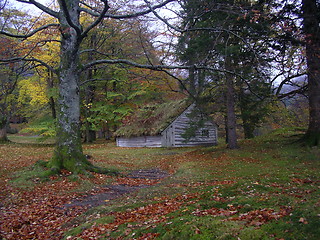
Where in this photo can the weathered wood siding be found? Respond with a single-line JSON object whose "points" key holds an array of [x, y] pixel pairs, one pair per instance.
{"points": [[143, 141], [172, 136]]}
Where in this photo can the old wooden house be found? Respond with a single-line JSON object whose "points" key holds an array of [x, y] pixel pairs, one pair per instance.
{"points": [[173, 124]]}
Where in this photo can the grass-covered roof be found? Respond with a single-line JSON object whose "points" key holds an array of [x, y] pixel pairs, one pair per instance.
{"points": [[152, 119]]}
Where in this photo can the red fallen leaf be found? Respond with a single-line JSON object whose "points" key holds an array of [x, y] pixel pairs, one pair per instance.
{"points": [[302, 181], [214, 212]]}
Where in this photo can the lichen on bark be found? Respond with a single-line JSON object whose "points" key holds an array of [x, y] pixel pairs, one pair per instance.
{"points": [[68, 153]]}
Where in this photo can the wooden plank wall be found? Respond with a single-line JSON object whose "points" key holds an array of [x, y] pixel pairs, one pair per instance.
{"points": [[143, 141], [178, 128]]}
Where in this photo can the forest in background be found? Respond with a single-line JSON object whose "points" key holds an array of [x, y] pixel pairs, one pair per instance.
{"points": [[248, 63]]}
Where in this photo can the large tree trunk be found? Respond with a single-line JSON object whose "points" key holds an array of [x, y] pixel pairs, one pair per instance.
{"points": [[68, 153], [231, 116], [231, 125], [312, 33], [3, 129], [248, 126], [3, 135]]}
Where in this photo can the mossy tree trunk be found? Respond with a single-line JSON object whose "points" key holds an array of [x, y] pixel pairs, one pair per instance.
{"points": [[312, 36], [68, 153]]}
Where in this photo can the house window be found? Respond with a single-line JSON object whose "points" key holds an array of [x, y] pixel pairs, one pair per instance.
{"points": [[205, 133]]}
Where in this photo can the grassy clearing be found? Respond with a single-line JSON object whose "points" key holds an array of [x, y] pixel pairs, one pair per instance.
{"points": [[267, 189], [29, 139]]}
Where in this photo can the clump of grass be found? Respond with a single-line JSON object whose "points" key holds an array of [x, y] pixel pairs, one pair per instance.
{"points": [[29, 176], [77, 230]]}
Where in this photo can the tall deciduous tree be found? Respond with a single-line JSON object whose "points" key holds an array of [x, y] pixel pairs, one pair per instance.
{"points": [[111, 92], [311, 27], [68, 152]]}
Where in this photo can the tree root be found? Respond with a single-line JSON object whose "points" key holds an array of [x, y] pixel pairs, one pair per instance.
{"points": [[85, 168]]}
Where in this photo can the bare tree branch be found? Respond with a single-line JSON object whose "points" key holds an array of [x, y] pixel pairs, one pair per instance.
{"points": [[161, 18], [131, 63], [88, 6], [181, 83], [301, 90], [41, 7], [130, 15], [18, 59], [31, 33], [286, 80], [98, 20], [155, 67], [94, 80]]}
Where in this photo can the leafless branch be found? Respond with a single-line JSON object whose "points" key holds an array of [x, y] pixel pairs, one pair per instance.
{"points": [[181, 83], [41, 7], [98, 20], [154, 67], [301, 90], [3, 4], [18, 59], [130, 15], [161, 18], [94, 80], [287, 80], [31, 33]]}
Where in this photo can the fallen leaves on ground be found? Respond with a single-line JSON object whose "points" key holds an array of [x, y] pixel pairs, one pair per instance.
{"points": [[147, 216], [40, 213], [261, 216], [136, 181]]}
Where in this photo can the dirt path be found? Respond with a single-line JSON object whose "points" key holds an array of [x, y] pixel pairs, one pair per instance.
{"points": [[114, 191]]}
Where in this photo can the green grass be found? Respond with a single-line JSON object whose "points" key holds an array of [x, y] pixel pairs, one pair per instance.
{"points": [[30, 139], [29, 176], [269, 173], [267, 189]]}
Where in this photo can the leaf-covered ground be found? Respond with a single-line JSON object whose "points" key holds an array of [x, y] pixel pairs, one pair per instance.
{"points": [[268, 189]]}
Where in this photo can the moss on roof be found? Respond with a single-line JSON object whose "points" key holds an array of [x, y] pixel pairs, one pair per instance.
{"points": [[152, 119]]}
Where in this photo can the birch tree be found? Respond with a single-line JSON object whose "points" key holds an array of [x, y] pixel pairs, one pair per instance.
{"points": [[68, 153]]}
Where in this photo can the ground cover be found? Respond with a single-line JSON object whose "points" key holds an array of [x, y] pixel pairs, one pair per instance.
{"points": [[267, 189]]}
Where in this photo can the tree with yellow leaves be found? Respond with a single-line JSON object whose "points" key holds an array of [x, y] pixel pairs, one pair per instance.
{"points": [[68, 152]]}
